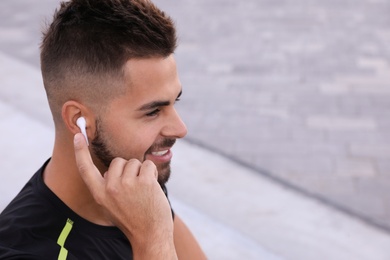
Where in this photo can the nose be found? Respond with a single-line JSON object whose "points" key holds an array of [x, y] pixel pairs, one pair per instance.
{"points": [[175, 127]]}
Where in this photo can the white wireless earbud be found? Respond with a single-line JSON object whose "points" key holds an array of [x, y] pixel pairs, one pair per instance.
{"points": [[82, 125]]}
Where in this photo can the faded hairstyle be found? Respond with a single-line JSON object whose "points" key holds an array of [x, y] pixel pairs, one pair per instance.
{"points": [[84, 49]]}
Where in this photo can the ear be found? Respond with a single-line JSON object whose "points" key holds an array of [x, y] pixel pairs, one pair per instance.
{"points": [[71, 111]]}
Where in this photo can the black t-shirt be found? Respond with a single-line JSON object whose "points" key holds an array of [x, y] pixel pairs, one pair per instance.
{"points": [[38, 225]]}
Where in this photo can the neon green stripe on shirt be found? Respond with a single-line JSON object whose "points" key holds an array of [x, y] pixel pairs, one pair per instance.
{"points": [[62, 238]]}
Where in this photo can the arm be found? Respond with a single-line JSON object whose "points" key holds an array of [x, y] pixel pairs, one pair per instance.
{"points": [[185, 243]]}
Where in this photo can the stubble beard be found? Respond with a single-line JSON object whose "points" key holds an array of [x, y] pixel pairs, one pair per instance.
{"points": [[105, 155]]}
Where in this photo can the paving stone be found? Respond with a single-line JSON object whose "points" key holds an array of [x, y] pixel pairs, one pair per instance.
{"points": [[354, 168], [340, 123], [370, 150], [384, 167]]}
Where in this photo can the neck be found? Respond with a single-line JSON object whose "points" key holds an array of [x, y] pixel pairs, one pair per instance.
{"points": [[62, 177]]}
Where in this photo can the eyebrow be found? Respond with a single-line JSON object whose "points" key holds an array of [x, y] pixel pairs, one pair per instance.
{"points": [[156, 104]]}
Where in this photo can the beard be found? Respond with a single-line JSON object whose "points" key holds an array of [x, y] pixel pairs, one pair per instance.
{"points": [[105, 155]]}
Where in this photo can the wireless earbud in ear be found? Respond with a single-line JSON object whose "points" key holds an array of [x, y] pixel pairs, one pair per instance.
{"points": [[81, 123]]}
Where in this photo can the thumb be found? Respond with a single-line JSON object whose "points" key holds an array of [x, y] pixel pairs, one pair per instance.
{"points": [[88, 171]]}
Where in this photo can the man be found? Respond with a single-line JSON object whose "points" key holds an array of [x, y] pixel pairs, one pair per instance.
{"points": [[110, 62]]}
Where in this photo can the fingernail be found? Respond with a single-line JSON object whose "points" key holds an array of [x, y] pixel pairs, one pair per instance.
{"points": [[76, 140]]}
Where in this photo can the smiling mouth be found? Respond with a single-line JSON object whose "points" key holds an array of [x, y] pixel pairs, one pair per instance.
{"points": [[160, 153]]}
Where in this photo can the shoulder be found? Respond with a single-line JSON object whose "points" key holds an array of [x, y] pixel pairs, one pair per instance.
{"points": [[24, 224], [185, 243]]}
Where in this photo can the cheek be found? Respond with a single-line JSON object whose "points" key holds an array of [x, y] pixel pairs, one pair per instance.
{"points": [[144, 139], [134, 141]]}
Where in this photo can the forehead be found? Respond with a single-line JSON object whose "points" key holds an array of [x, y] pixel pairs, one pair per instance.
{"points": [[153, 72]]}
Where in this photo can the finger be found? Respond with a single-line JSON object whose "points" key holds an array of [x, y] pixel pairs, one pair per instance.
{"points": [[117, 166], [114, 173], [132, 168], [131, 172], [88, 171], [148, 168]]}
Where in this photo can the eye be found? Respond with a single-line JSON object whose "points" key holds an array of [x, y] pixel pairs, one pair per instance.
{"points": [[153, 113]]}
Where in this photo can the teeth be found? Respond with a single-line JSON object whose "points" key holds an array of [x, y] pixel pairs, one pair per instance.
{"points": [[160, 153]]}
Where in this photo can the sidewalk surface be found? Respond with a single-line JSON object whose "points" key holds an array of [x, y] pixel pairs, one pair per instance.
{"points": [[295, 90]]}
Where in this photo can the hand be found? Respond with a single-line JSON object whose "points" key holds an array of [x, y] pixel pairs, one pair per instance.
{"points": [[133, 200]]}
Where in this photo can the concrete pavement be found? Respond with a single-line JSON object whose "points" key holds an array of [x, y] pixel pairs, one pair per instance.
{"points": [[297, 90], [294, 90], [234, 212]]}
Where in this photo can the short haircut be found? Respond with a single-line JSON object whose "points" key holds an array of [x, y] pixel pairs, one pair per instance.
{"points": [[84, 49]]}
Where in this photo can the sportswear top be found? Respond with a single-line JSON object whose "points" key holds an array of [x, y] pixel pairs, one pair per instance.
{"points": [[38, 225]]}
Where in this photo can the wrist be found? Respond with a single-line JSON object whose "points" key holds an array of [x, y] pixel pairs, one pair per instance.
{"points": [[159, 248]]}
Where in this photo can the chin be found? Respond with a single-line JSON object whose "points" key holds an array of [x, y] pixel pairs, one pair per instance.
{"points": [[164, 172]]}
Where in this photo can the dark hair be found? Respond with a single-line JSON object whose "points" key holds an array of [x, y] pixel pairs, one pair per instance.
{"points": [[88, 42]]}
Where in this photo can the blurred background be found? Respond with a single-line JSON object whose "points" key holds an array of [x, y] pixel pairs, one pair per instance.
{"points": [[286, 102]]}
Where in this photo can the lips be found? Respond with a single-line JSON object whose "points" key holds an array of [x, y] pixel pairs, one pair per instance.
{"points": [[160, 152], [162, 156]]}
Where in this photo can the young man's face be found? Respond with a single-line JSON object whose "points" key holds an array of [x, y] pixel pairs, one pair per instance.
{"points": [[143, 123]]}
